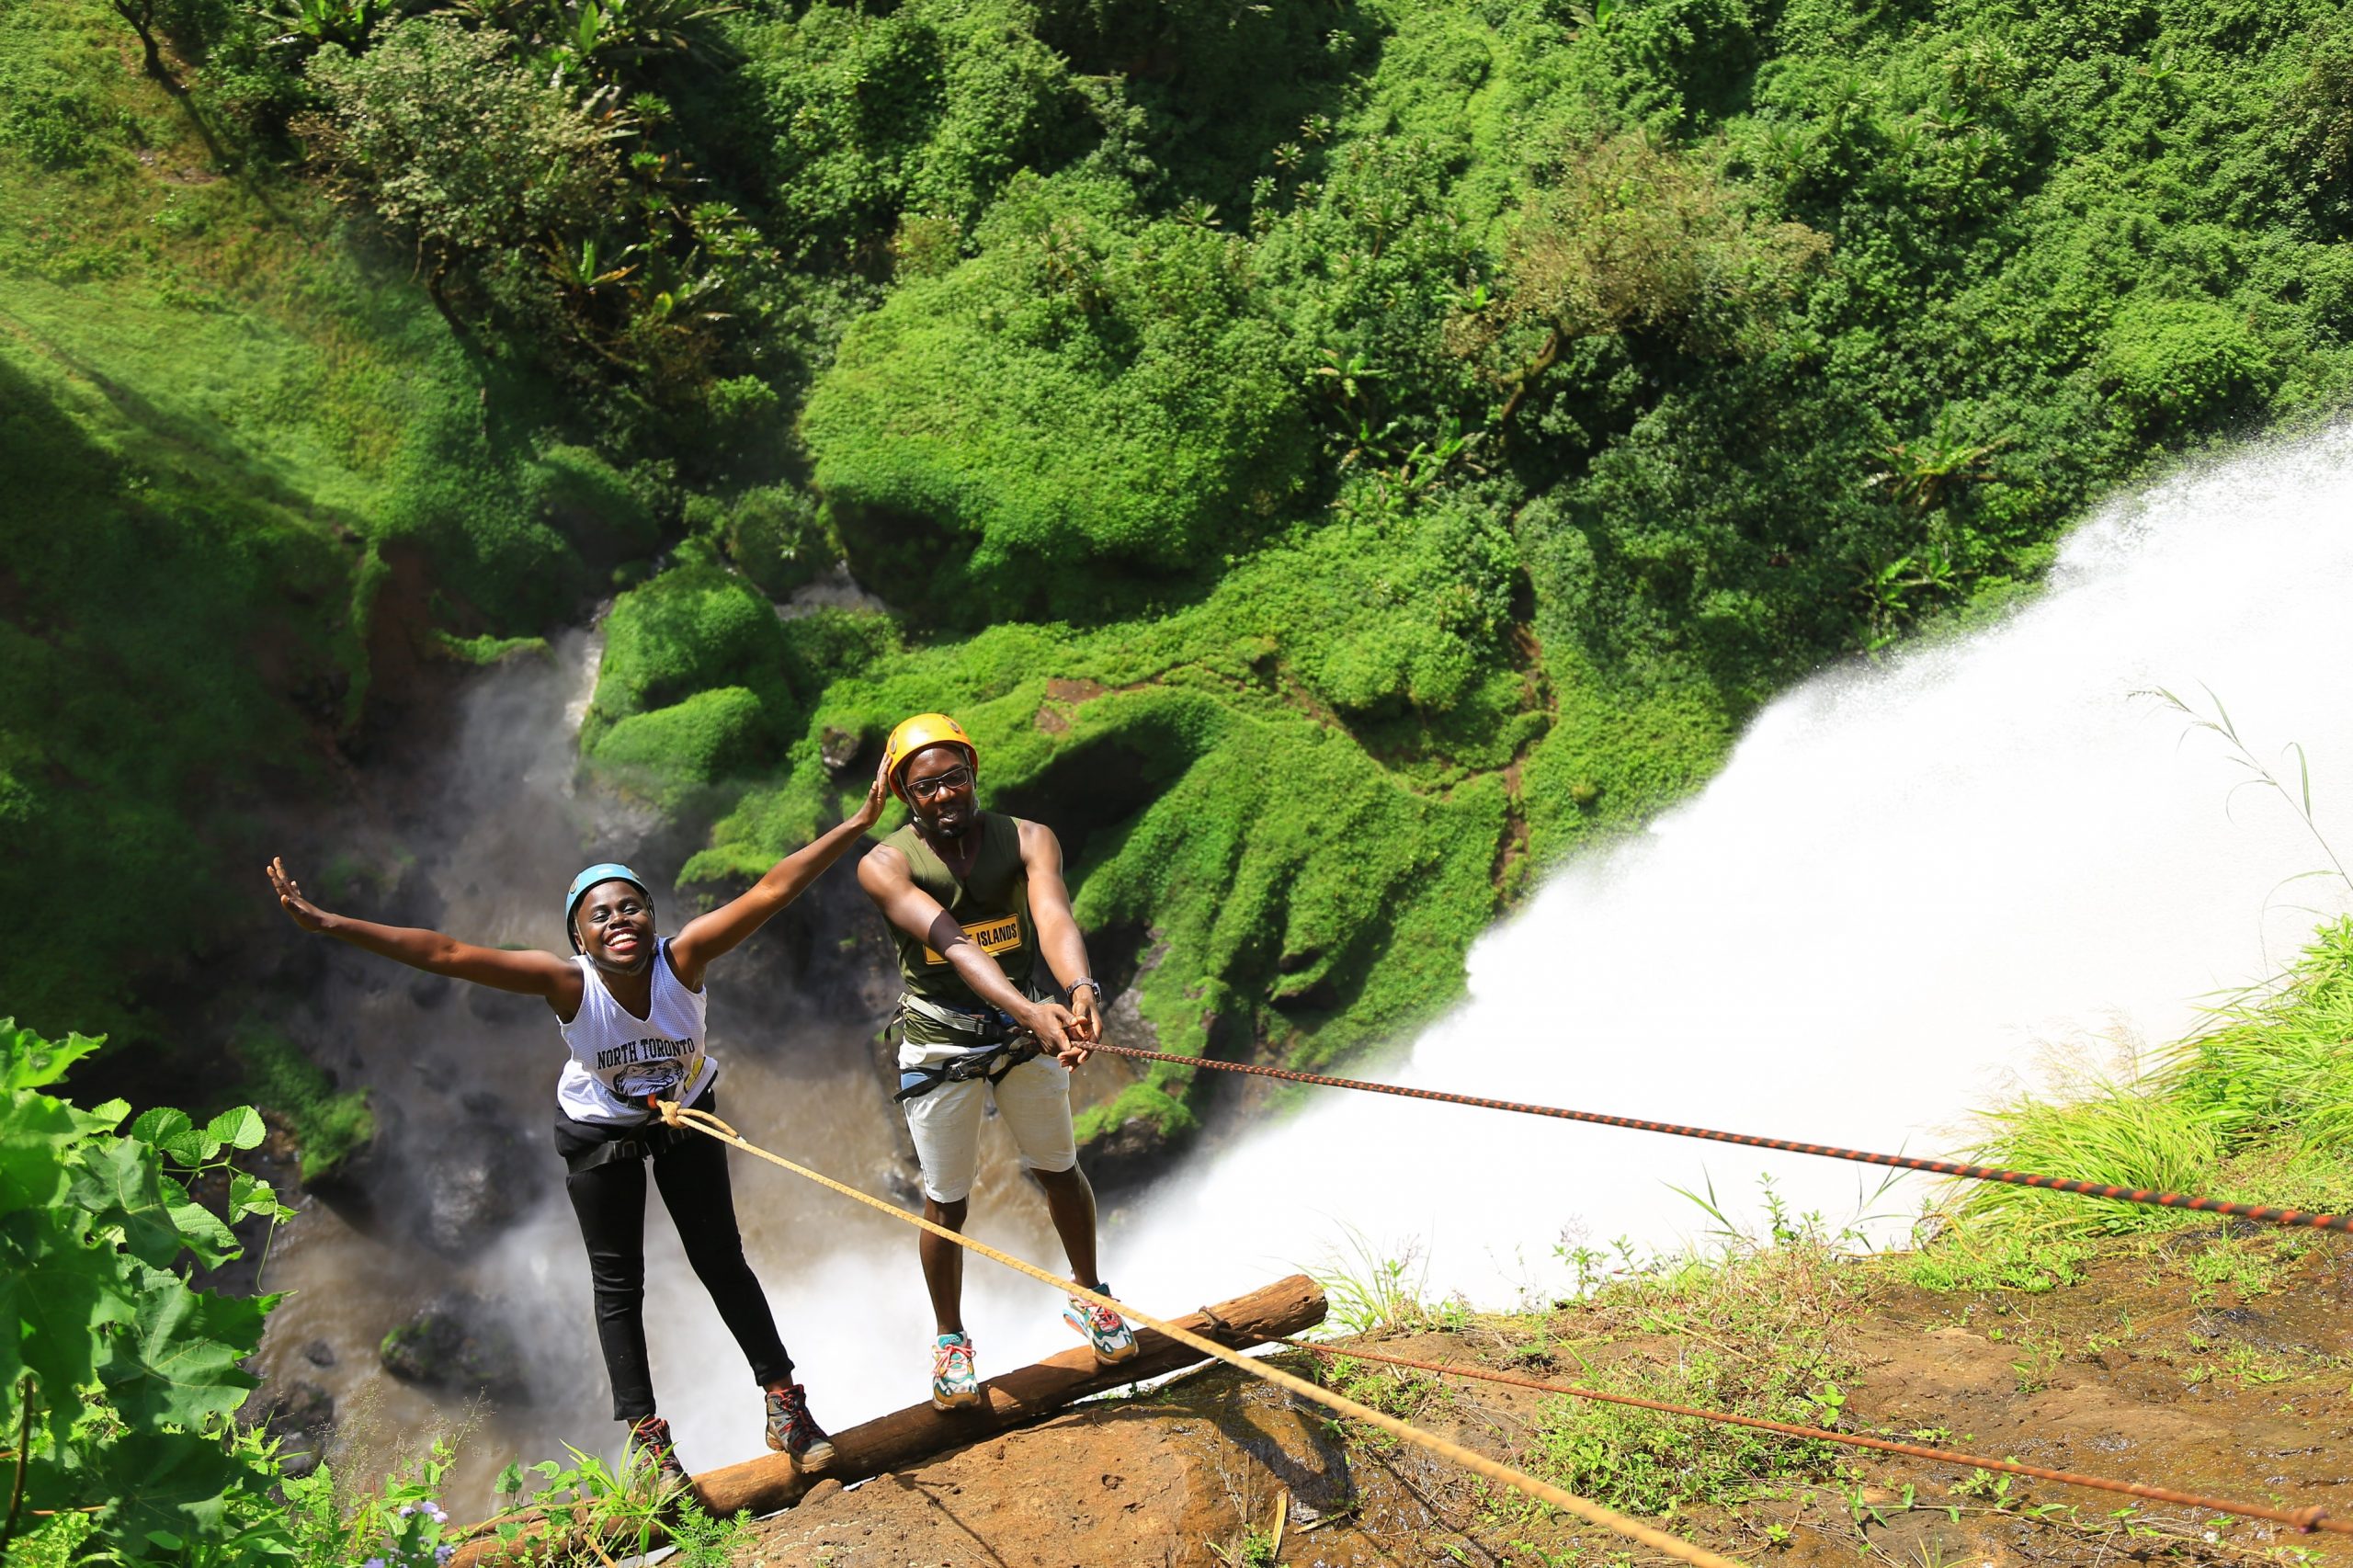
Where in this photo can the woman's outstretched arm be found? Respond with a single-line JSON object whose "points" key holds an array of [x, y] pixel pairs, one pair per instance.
{"points": [[706, 936], [531, 973]]}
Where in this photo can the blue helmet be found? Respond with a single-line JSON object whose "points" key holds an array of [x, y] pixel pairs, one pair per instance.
{"points": [[602, 871]]}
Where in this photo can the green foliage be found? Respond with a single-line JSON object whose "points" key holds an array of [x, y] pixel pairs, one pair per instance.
{"points": [[718, 733], [2253, 1108], [774, 534], [1756, 1330], [692, 629], [329, 1125], [925, 109], [122, 1377], [1086, 393], [462, 147], [2175, 363], [1634, 239]]}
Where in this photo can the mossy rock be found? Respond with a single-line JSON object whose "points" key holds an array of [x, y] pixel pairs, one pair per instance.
{"points": [[692, 629], [454, 1343], [713, 736]]}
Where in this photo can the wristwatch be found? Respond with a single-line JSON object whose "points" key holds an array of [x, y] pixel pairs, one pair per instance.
{"points": [[1089, 982]]}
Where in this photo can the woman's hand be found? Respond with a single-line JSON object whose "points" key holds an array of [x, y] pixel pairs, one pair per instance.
{"points": [[878, 795], [299, 910]]}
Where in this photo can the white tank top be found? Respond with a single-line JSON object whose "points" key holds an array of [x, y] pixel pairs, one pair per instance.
{"points": [[617, 1057]]}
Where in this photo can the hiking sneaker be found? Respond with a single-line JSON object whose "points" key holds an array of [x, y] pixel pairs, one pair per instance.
{"points": [[649, 1451], [953, 1387], [793, 1431], [1104, 1329]]}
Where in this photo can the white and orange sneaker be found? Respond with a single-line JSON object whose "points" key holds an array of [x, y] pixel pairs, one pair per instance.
{"points": [[1112, 1340], [953, 1386]]}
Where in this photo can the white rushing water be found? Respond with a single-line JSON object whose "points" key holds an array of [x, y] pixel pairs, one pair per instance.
{"points": [[1908, 882]]}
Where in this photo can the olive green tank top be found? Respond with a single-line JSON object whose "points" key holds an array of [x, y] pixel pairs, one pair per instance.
{"points": [[992, 903]]}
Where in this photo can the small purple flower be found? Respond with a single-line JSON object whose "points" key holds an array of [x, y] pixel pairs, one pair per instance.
{"points": [[375, 1562], [441, 1555], [407, 1509], [437, 1513]]}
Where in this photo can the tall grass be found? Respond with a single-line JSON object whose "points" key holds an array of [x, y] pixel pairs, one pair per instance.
{"points": [[2257, 1106]]}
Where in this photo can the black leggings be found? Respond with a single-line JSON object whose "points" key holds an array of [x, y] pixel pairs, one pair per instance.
{"points": [[609, 1199]]}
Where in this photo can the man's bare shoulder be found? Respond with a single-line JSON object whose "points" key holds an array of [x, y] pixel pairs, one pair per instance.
{"points": [[1036, 836], [883, 863]]}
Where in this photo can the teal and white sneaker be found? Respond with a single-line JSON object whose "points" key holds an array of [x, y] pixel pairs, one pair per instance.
{"points": [[1105, 1330], [953, 1387]]}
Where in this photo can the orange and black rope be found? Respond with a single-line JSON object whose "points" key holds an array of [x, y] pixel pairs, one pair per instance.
{"points": [[2150, 1197], [2305, 1520]]}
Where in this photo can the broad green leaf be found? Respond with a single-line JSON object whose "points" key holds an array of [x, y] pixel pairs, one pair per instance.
{"points": [[239, 1127], [104, 1117], [37, 1137], [57, 1292], [248, 1194], [29, 1061], [201, 1230], [171, 1132], [121, 1185], [178, 1361], [151, 1487]]}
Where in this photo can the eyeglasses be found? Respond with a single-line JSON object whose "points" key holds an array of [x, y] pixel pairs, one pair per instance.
{"points": [[940, 784]]}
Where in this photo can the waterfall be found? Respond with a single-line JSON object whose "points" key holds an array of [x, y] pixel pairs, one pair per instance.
{"points": [[1910, 880]]}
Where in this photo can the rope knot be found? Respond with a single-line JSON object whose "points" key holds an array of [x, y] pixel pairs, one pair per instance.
{"points": [[667, 1110]]}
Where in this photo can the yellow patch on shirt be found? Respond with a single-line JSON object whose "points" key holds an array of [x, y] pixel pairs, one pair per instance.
{"points": [[1001, 935]]}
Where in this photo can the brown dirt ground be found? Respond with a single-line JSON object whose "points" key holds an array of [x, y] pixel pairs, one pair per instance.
{"points": [[2213, 1362]]}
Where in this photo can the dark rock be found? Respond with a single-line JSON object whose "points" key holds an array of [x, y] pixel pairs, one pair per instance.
{"points": [[838, 749], [501, 1006], [478, 1181], [455, 1343], [300, 1416], [319, 1353]]}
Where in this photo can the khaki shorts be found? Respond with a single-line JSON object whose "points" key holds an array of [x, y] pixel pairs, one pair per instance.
{"points": [[1034, 1099]]}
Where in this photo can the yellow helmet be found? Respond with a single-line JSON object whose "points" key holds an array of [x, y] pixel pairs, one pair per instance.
{"points": [[925, 730]]}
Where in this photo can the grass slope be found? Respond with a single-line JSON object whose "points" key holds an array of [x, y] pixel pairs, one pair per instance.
{"points": [[219, 423]]}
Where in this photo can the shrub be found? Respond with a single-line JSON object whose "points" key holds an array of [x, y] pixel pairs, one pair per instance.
{"points": [[1091, 389], [694, 628], [2176, 363], [717, 735], [458, 146], [926, 107], [774, 534]]}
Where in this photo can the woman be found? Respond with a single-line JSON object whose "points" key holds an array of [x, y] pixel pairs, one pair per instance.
{"points": [[630, 1007]]}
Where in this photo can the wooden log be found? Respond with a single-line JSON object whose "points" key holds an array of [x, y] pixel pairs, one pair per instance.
{"points": [[1017, 1398]]}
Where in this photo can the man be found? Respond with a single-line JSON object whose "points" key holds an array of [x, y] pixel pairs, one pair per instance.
{"points": [[975, 901]]}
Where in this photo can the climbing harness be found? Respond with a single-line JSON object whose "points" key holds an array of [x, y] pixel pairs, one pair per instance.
{"points": [[1633, 1530], [2150, 1197], [2304, 1520], [1002, 1046]]}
